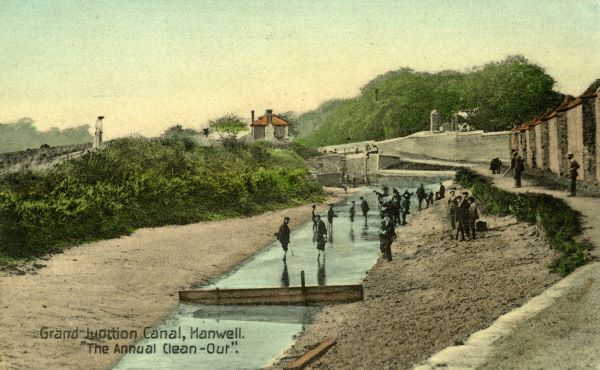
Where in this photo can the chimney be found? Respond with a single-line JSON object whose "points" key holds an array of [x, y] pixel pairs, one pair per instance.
{"points": [[269, 117], [252, 120]]}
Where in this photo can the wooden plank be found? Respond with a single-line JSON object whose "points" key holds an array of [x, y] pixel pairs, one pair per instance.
{"points": [[311, 355], [275, 296]]}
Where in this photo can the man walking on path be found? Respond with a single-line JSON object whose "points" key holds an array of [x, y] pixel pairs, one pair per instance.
{"points": [[519, 168], [473, 216], [320, 231], [421, 195], [283, 235], [364, 207], [573, 173]]}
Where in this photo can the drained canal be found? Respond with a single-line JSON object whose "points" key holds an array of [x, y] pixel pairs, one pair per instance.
{"points": [[250, 337]]}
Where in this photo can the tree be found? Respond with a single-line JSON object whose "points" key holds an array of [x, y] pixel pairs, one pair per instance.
{"points": [[228, 126]]}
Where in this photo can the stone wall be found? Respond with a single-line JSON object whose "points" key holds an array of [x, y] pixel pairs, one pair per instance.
{"points": [[557, 144], [530, 154], [597, 116], [589, 137], [575, 137], [474, 146]]}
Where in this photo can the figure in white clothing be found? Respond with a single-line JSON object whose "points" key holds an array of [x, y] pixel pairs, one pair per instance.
{"points": [[98, 134]]}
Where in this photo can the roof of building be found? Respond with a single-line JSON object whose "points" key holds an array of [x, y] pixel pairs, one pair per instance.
{"points": [[592, 90], [277, 121]]}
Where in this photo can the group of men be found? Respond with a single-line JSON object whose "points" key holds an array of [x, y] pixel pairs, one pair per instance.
{"points": [[393, 209], [463, 214]]}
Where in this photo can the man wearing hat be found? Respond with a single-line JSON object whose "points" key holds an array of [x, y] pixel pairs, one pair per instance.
{"points": [[519, 168], [573, 173], [364, 207], [283, 235], [320, 234]]}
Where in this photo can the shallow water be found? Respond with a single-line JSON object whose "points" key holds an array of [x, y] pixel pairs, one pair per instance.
{"points": [[252, 336]]}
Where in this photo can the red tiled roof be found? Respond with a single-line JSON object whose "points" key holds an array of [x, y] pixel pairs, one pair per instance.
{"points": [[277, 121]]}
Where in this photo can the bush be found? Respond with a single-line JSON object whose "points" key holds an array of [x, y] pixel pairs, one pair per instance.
{"points": [[137, 183], [560, 223]]}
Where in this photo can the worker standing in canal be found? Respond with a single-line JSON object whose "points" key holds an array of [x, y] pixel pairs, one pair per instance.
{"points": [[320, 231], [283, 235], [330, 215], [387, 234], [364, 206], [396, 207], [352, 211], [461, 219]]}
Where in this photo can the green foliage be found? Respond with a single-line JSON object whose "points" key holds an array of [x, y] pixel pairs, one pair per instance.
{"points": [[560, 223], [137, 183], [23, 135], [229, 125], [497, 95]]}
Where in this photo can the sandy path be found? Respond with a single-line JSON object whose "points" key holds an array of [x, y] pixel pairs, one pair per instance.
{"points": [[433, 294], [130, 283]]}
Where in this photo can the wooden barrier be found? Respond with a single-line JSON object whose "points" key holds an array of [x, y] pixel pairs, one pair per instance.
{"points": [[275, 296], [311, 355]]}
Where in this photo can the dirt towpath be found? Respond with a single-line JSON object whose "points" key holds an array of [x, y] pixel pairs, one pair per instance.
{"points": [[129, 283], [435, 293], [559, 329]]}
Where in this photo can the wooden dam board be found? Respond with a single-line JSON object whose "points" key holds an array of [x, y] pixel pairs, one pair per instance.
{"points": [[275, 296], [311, 355]]}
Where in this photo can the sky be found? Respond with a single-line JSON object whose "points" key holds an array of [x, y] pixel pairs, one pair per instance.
{"points": [[148, 65]]}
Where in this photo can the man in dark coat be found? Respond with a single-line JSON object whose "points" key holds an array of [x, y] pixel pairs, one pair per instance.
{"points": [[513, 161], [421, 195], [519, 169], [330, 215], [387, 234], [405, 205], [352, 211], [320, 231], [397, 201], [364, 206], [573, 173], [283, 235], [461, 218]]}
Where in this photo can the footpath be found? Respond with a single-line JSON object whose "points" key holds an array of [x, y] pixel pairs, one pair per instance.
{"points": [[558, 329]]}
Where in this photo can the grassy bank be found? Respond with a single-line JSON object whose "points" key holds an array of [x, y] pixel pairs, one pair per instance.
{"points": [[559, 222], [138, 183]]}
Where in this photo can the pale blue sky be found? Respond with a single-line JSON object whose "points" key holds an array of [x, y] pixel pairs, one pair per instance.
{"points": [[146, 65]]}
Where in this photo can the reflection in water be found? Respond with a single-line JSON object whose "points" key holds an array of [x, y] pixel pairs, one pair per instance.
{"points": [[321, 274], [365, 230], [352, 237], [285, 277]]}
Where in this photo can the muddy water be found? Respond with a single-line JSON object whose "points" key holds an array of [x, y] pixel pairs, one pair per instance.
{"points": [[249, 337]]}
